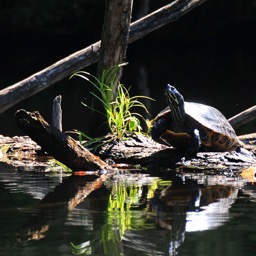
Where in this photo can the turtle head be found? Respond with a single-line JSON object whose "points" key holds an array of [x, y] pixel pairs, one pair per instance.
{"points": [[176, 103]]}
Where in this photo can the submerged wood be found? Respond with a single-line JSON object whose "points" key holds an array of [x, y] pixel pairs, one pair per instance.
{"points": [[58, 144], [88, 56]]}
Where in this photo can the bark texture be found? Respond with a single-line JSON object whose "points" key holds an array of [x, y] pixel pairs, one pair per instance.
{"points": [[58, 144], [114, 39], [242, 119]]}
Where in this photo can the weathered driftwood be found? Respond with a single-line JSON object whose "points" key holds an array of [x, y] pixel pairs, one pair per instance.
{"points": [[139, 149], [23, 143], [21, 152], [135, 149], [243, 118], [249, 141], [58, 144], [88, 56], [57, 113]]}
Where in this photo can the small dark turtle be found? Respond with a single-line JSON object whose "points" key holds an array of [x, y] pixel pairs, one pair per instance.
{"points": [[189, 125]]}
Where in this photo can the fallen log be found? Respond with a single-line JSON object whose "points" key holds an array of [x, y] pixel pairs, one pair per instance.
{"points": [[88, 56], [138, 149], [249, 141], [243, 118], [58, 144], [134, 149]]}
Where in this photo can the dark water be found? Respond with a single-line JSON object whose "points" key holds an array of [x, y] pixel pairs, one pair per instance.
{"points": [[135, 214]]}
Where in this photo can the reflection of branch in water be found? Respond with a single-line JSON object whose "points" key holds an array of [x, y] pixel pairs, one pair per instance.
{"points": [[33, 229], [71, 192], [66, 196]]}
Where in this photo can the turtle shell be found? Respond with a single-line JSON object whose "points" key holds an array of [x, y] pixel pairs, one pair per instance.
{"points": [[216, 133]]}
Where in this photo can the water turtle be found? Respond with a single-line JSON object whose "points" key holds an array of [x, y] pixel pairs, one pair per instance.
{"points": [[191, 126]]}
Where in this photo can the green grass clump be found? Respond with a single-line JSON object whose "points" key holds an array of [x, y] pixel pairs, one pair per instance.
{"points": [[119, 113]]}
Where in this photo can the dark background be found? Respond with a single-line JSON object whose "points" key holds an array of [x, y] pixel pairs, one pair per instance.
{"points": [[209, 55]]}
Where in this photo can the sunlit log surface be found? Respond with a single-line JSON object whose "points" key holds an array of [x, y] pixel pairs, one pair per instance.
{"points": [[135, 149], [142, 150], [58, 144]]}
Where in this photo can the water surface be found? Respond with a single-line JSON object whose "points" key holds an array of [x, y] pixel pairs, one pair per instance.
{"points": [[128, 214]]}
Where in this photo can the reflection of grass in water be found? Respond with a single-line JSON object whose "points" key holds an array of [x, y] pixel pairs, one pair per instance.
{"points": [[81, 249], [126, 210], [120, 203]]}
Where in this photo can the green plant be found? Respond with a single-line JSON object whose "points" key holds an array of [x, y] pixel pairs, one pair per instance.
{"points": [[119, 113], [81, 249], [127, 210], [56, 166], [89, 142]]}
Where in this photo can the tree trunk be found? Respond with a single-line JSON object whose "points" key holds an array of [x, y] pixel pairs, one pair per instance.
{"points": [[114, 39]]}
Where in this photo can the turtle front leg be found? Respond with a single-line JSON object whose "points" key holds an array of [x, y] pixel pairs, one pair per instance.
{"points": [[195, 144], [158, 129]]}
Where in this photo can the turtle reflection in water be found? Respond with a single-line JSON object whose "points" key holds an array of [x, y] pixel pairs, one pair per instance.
{"points": [[192, 126]]}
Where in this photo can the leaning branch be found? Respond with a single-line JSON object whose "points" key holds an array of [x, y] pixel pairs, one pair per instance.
{"points": [[88, 56], [58, 144], [243, 118]]}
